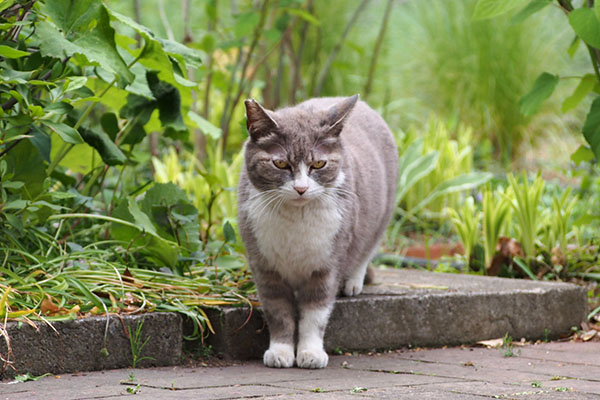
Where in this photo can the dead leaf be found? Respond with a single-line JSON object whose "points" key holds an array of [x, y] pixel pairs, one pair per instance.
{"points": [[48, 307], [589, 335], [492, 343]]}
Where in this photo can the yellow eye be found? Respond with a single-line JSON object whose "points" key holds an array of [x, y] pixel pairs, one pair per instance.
{"points": [[319, 164], [281, 164]]}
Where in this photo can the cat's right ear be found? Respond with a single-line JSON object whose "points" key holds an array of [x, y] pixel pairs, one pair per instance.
{"points": [[258, 120]]}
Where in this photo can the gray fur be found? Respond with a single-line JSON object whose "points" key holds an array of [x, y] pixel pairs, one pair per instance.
{"points": [[300, 278]]}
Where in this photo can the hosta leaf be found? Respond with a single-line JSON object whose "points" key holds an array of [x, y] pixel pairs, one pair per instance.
{"points": [[81, 27], [542, 89]]}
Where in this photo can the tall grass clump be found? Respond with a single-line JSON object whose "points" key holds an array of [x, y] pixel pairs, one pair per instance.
{"points": [[475, 71]]}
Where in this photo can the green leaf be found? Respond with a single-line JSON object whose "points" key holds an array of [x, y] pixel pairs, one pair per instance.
{"points": [[66, 132], [597, 10], [204, 125], [245, 24], [574, 46], [140, 218], [308, 17], [582, 154], [229, 262], [110, 125], [42, 142], [586, 25], [110, 153], [229, 233], [27, 165], [529, 10], [586, 85], [492, 8], [168, 103], [81, 27], [591, 128], [9, 52], [542, 89]]}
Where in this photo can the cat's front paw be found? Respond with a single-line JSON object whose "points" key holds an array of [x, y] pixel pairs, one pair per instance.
{"points": [[312, 358], [279, 355], [353, 287]]}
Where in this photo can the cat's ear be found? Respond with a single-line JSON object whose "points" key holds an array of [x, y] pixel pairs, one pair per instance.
{"points": [[258, 120], [337, 113]]}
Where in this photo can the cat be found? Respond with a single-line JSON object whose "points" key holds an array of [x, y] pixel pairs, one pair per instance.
{"points": [[315, 196]]}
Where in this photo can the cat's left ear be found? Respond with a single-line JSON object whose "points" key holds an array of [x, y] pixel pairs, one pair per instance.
{"points": [[337, 114], [258, 120]]}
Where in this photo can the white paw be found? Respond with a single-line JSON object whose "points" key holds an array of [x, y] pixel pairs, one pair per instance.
{"points": [[312, 358], [353, 287], [279, 355]]}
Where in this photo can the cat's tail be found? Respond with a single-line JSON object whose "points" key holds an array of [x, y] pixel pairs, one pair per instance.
{"points": [[369, 276]]}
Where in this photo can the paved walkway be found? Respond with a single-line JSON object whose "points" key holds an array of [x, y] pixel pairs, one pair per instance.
{"points": [[542, 371]]}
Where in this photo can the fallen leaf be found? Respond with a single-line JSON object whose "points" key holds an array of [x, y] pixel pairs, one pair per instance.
{"points": [[588, 335], [492, 343]]}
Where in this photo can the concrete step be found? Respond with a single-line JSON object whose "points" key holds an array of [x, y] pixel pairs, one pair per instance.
{"points": [[403, 308], [411, 308]]}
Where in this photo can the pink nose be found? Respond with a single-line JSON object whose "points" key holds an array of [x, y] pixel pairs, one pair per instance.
{"points": [[301, 189]]}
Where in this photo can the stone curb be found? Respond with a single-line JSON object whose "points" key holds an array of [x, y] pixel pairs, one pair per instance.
{"points": [[403, 308], [78, 345]]}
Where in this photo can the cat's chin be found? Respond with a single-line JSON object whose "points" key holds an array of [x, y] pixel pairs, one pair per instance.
{"points": [[299, 201]]}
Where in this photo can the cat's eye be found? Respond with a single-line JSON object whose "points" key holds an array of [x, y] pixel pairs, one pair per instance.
{"points": [[281, 164], [318, 164]]}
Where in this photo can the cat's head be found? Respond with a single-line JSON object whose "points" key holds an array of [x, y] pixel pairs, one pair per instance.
{"points": [[296, 153]]}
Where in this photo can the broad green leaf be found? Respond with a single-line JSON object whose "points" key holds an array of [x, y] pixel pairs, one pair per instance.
{"points": [[597, 10], [110, 125], [229, 233], [245, 24], [585, 86], [542, 89], [168, 103], [586, 25], [81, 27], [453, 185], [582, 154], [42, 142], [27, 165], [229, 262], [204, 125], [492, 8], [531, 8], [9, 52], [591, 128], [415, 171], [108, 150], [75, 82], [66, 132], [140, 218]]}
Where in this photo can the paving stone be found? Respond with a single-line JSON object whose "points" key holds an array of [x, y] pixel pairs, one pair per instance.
{"points": [[77, 345]]}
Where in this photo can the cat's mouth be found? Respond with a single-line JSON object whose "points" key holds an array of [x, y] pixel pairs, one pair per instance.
{"points": [[300, 201]]}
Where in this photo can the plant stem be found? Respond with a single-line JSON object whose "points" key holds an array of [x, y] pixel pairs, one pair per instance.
{"points": [[257, 35], [297, 60], [337, 48], [378, 43]]}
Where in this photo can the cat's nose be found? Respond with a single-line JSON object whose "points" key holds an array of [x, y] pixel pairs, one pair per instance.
{"points": [[301, 189]]}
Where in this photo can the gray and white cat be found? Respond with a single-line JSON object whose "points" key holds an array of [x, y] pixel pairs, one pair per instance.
{"points": [[315, 196]]}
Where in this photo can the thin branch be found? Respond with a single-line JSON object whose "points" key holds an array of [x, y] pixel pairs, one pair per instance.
{"points": [[12, 145], [187, 32], [257, 35], [137, 15], [378, 43], [297, 60], [337, 48], [165, 20]]}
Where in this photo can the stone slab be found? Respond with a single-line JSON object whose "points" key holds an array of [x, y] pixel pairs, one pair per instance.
{"points": [[77, 345], [411, 308], [356, 376]]}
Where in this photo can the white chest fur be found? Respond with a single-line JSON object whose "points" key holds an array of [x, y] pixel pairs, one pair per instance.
{"points": [[296, 240]]}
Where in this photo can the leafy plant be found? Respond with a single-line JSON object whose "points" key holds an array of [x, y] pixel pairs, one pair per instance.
{"points": [[496, 213], [466, 223], [137, 344], [585, 22], [525, 203]]}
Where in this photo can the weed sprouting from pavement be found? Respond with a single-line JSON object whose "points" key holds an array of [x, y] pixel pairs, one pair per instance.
{"points": [[137, 344]]}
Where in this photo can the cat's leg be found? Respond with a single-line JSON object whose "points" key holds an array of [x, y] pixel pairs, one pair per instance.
{"points": [[315, 302], [277, 301], [353, 285]]}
